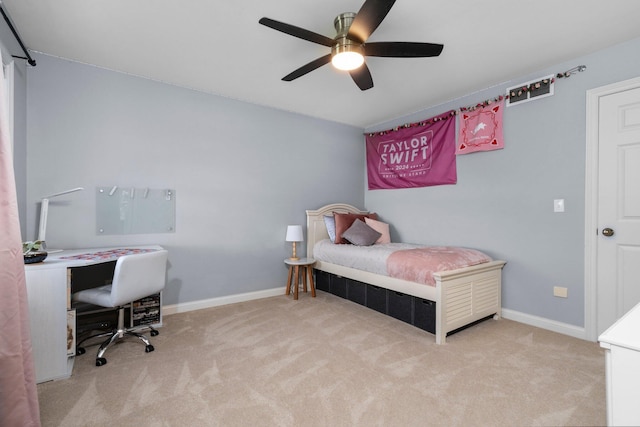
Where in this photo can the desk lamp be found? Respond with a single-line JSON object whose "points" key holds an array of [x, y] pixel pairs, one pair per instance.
{"points": [[294, 234], [44, 211]]}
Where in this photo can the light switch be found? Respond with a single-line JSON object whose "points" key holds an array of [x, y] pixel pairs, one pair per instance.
{"points": [[558, 205]]}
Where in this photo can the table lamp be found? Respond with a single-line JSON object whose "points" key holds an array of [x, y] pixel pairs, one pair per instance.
{"points": [[294, 234], [44, 211]]}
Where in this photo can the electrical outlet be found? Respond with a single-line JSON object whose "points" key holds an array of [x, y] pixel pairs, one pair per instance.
{"points": [[559, 291]]}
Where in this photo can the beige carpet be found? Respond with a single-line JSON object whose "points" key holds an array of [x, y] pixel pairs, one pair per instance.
{"points": [[326, 361]]}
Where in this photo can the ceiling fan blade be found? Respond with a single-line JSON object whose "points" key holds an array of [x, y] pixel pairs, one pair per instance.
{"points": [[402, 49], [362, 77], [308, 68], [368, 18], [301, 33]]}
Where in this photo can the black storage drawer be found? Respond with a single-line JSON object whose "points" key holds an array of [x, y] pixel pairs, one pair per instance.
{"points": [[424, 314], [377, 298], [339, 286], [357, 291], [400, 306], [323, 281]]}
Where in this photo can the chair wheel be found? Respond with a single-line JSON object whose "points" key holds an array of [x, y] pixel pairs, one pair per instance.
{"points": [[80, 350], [149, 348], [154, 333], [101, 361]]}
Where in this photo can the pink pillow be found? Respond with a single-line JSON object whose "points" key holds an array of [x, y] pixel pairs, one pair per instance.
{"points": [[380, 227], [345, 220]]}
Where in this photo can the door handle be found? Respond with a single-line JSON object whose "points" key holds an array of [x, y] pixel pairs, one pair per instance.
{"points": [[608, 232]]}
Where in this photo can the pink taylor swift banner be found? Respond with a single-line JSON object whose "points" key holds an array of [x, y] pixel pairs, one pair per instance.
{"points": [[417, 156], [481, 129]]}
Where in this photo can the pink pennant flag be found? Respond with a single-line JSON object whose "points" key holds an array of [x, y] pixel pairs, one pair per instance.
{"points": [[481, 129]]}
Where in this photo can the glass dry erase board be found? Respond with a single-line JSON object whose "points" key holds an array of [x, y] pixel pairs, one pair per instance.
{"points": [[135, 210]]}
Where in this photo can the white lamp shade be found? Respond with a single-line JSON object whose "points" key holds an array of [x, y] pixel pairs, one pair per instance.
{"points": [[294, 233]]}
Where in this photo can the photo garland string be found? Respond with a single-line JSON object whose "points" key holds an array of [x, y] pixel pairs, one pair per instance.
{"points": [[483, 104]]}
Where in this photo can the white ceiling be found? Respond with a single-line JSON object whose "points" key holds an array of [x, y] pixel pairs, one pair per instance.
{"points": [[218, 46]]}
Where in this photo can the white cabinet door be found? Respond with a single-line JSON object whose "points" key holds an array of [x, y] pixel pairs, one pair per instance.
{"points": [[622, 386], [47, 294], [622, 344]]}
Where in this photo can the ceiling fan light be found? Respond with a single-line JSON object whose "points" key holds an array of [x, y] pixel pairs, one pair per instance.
{"points": [[347, 55], [347, 60]]}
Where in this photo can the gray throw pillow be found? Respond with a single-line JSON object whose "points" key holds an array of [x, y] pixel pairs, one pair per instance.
{"points": [[361, 234]]}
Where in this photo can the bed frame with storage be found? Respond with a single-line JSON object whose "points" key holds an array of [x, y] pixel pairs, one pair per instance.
{"points": [[461, 297]]}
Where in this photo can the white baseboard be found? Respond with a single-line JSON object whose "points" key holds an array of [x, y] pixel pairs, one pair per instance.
{"points": [[541, 322], [528, 319], [168, 310]]}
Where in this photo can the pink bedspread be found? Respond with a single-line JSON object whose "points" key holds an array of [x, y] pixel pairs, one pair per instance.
{"points": [[418, 265]]}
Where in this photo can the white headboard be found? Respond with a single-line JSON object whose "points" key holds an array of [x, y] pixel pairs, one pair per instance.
{"points": [[316, 229]]}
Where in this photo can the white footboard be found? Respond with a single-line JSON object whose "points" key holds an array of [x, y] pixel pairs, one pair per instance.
{"points": [[467, 295]]}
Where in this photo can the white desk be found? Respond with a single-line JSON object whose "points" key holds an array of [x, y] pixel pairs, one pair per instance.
{"points": [[48, 291], [622, 344]]}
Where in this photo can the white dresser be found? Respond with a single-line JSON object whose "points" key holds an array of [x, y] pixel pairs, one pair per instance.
{"points": [[622, 344]]}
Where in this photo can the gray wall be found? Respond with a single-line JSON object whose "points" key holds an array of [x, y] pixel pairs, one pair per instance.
{"points": [[503, 201], [241, 172]]}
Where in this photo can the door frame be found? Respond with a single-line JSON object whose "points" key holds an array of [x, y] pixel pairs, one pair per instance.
{"points": [[591, 201]]}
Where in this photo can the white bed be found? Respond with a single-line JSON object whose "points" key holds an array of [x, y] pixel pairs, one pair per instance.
{"points": [[462, 296]]}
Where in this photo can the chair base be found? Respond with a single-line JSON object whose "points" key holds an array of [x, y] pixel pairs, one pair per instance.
{"points": [[115, 336]]}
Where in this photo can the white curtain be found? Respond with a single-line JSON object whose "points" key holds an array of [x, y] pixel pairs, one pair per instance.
{"points": [[18, 393]]}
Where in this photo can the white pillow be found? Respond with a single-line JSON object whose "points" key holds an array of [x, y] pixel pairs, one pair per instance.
{"points": [[330, 223]]}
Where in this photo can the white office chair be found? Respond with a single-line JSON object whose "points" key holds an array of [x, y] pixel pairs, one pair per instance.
{"points": [[135, 276]]}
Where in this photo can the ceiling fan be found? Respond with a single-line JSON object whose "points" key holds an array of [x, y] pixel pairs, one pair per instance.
{"points": [[349, 47]]}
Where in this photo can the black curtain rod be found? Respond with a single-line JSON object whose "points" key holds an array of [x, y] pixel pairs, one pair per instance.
{"points": [[29, 59]]}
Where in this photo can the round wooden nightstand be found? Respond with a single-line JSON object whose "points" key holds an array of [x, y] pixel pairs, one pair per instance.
{"points": [[304, 266]]}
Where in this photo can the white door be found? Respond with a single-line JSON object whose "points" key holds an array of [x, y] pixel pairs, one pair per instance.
{"points": [[618, 206]]}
